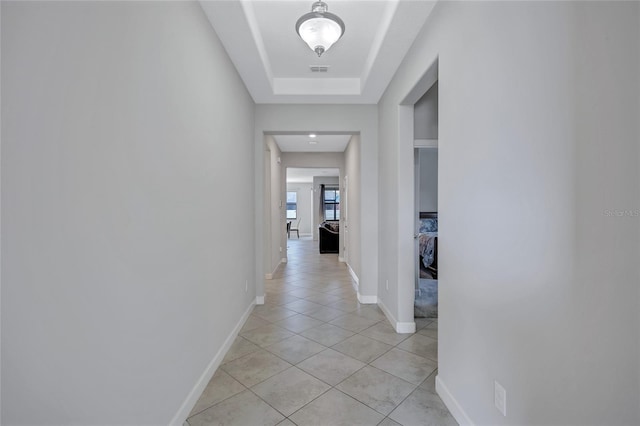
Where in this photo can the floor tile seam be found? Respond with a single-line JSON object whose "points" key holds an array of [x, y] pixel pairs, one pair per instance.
{"points": [[377, 339], [287, 417], [417, 354], [408, 396], [292, 364], [391, 374], [333, 386], [301, 408], [223, 400], [261, 399], [379, 412], [414, 354]]}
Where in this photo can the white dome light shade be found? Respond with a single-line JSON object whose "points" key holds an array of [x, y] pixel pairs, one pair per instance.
{"points": [[319, 28]]}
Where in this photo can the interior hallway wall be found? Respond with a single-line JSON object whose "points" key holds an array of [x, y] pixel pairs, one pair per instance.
{"points": [[353, 233], [277, 214], [538, 143], [123, 271], [362, 119]]}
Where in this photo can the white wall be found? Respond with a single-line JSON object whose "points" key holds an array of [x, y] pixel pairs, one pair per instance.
{"points": [[304, 207], [538, 145], [425, 124], [349, 119], [277, 232], [428, 161], [353, 233], [121, 275]]}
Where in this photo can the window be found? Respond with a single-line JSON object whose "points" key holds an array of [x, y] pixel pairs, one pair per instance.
{"points": [[332, 204], [292, 205]]}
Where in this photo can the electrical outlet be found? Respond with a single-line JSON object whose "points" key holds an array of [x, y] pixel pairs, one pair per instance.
{"points": [[280, 249], [387, 285], [246, 286], [500, 398]]}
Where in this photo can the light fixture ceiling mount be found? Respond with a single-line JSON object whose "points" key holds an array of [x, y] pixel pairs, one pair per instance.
{"points": [[319, 28]]}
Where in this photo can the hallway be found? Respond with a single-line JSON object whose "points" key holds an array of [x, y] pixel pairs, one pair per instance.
{"points": [[313, 355]]}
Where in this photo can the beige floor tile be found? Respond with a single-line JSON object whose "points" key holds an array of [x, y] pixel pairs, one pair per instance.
{"points": [[331, 366], [311, 305], [303, 306], [272, 313], [336, 409], [254, 368], [379, 390], [429, 332], [243, 409], [410, 367], [327, 334], [267, 335], [295, 349], [220, 387], [239, 348], [423, 408], [421, 345], [353, 322], [325, 314], [298, 323], [422, 322], [388, 422], [290, 390], [362, 348], [384, 333], [252, 323], [371, 312], [429, 383]]}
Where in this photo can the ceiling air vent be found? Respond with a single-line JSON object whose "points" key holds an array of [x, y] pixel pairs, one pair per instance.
{"points": [[319, 68]]}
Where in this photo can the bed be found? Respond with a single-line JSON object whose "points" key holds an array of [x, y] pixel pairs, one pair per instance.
{"points": [[426, 298]]}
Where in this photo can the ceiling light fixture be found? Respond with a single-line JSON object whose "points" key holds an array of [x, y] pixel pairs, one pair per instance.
{"points": [[319, 28], [312, 135]]}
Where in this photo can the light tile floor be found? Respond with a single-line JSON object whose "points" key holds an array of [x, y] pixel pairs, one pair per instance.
{"points": [[313, 355]]}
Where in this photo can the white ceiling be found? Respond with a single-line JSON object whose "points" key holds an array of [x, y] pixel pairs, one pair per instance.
{"points": [[260, 38], [301, 143], [296, 175]]}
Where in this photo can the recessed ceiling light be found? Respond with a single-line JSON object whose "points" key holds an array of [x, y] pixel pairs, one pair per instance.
{"points": [[312, 135]]}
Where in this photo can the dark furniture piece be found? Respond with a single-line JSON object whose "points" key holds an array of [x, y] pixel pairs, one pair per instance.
{"points": [[428, 245], [329, 236]]}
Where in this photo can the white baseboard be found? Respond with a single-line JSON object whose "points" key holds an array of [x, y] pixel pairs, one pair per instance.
{"points": [[201, 384], [259, 300], [270, 275], [353, 275], [340, 259], [400, 327], [367, 300], [452, 404]]}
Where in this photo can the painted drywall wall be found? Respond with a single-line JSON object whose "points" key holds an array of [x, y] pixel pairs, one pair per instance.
{"points": [[277, 231], [351, 119], [425, 123], [428, 158], [122, 276], [352, 210], [304, 207], [538, 145]]}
